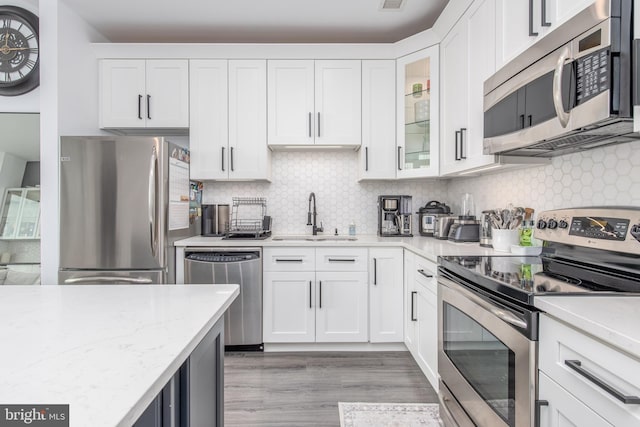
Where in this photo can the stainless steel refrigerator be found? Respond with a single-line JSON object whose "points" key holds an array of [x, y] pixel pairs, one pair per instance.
{"points": [[116, 208]]}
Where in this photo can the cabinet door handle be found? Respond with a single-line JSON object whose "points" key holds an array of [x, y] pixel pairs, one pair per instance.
{"points": [[375, 271], [310, 125], [399, 155], [310, 294], [531, 32], [543, 14], [318, 124], [341, 260], [288, 259], [222, 157], [320, 293], [427, 275], [457, 135], [576, 365], [149, 107], [530, 119], [140, 107], [231, 158], [366, 158], [539, 405], [462, 132], [413, 318]]}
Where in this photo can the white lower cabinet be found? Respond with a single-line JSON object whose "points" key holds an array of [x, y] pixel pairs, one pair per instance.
{"points": [[421, 314], [563, 409], [386, 295], [341, 308], [305, 303], [584, 380], [289, 306]]}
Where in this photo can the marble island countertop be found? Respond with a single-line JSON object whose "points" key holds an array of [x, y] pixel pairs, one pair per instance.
{"points": [[105, 350], [427, 247], [612, 319]]}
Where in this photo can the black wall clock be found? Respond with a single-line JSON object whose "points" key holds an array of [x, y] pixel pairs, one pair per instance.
{"points": [[19, 54]]}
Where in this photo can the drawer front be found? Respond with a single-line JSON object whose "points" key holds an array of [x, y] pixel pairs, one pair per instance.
{"points": [[289, 259], [578, 362], [563, 409], [341, 259], [425, 268]]}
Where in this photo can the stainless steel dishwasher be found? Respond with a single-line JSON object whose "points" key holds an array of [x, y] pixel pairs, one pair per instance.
{"points": [[241, 266]]}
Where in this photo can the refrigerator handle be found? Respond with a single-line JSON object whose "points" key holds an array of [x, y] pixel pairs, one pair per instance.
{"points": [[153, 174]]}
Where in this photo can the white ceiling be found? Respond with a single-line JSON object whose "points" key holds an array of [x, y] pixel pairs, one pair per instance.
{"points": [[20, 135], [256, 21]]}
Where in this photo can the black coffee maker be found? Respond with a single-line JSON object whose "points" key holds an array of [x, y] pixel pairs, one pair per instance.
{"points": [[394, 216]]}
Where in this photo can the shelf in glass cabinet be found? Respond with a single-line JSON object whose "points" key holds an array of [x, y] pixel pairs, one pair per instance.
{"points": [[418, 128], [418, 95]]}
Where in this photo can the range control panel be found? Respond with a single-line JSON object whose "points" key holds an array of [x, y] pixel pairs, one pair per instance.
{"points": [[613, 229]]}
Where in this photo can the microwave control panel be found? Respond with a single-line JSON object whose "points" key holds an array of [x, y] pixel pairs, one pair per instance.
{"points": [[592, 75]]}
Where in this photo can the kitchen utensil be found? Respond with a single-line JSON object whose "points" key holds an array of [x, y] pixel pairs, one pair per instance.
{"points": [[465, 230], [468, 207], [486, 223]]}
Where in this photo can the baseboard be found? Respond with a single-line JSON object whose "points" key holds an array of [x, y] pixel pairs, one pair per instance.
{"points": [[293, 347]]}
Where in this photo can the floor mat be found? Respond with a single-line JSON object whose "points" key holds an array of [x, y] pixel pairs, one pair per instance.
{"points": [[357, 414]]}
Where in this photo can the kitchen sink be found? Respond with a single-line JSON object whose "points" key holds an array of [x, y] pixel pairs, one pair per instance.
{"points": [[315, 238]]}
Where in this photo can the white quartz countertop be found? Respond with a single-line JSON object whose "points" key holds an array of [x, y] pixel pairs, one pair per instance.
{"points": [[105, 350], [427, 247], [612, 319]]}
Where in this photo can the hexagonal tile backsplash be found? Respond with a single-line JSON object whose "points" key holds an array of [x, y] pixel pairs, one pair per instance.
{"points": [[603, 176]]}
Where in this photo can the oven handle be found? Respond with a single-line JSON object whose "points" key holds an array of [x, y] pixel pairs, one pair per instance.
{"points": [[563, 116], [499, 313]]}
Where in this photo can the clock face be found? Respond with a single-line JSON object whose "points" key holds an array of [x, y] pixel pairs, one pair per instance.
{"points": [[19, 54]]}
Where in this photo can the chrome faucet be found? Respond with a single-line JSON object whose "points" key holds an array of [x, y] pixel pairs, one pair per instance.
{"points": [[315, 229]]}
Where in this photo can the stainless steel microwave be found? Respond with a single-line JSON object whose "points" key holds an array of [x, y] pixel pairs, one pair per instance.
{"points": [[573, 90]]}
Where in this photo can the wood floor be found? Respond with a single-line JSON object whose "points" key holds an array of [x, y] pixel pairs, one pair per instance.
{"points": [[303, 389]]}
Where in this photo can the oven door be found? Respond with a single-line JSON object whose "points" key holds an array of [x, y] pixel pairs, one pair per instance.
{"points": [[485, 358]]}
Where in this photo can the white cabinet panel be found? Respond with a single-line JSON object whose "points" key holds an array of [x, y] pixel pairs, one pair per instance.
{"points": [[411, 322], [228, 120], [563, 409], [208, 133], [291, 106], [427, 315], [386, 295], [314, 102], [341, 313], [249, 156], [289, 307], [289, 259], [378, 152], [338, 102], [167, 93], [513, 37], [122, 93], [138, 93], [341, 259]]}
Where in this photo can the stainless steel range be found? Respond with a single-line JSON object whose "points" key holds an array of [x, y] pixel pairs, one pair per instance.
{"points": [[488, 324]]}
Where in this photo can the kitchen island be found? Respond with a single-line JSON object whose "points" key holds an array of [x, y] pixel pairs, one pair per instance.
{"points": [[106, 351]]}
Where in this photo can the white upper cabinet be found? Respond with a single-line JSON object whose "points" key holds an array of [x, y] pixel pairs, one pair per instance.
{"points": [[338, 102], [417, 153], [520, 23], [138, 93], [228, 120], [208, 133], [314, 102], [378, 151], [468, 59], [249, 156]]}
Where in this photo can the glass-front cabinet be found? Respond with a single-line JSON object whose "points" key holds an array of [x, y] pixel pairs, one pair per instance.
{"points": [[417, 139], [20, 214]]}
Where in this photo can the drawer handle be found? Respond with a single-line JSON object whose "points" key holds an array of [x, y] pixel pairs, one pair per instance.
{"points": [[576, 365], [342, 260], [427, 275], [288, 260], [539, 405], [413, 317]]}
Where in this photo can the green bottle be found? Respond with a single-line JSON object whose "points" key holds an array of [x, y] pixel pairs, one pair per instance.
{"points": [[526, 233]]}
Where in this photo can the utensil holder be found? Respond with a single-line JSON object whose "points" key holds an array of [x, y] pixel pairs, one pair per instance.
{"points": [[503, 239]]}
